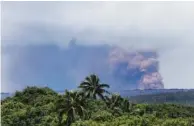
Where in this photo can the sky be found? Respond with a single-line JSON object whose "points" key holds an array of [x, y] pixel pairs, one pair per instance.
{"points": [[167, 27]]}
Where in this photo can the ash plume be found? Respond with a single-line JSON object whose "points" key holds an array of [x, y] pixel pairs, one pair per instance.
{"points": [[140, 69], [44, 32], [67, 67]]}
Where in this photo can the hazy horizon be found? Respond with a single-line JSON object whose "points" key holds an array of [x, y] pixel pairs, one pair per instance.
{"points": [[38, 33]]}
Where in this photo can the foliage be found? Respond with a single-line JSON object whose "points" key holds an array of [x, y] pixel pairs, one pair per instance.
{"points": [[44, 107], [73, 103], [136, 121], [92, 87]]}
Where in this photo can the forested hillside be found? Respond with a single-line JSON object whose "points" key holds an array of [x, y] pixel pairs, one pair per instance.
{"points": [[90, 105], [185, 97]]}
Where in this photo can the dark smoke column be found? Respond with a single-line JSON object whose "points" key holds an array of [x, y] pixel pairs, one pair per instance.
{"points": [[138, 69]]}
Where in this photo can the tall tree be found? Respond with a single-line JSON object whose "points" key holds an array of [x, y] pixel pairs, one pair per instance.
{"points": [[93, 88]]}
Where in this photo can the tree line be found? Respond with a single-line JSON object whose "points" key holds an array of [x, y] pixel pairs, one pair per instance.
{"points": [[179, 97], [90, 105]]}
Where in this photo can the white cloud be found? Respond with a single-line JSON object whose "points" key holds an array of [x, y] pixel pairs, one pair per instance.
{"points": [[108, 18], [167, 26]]}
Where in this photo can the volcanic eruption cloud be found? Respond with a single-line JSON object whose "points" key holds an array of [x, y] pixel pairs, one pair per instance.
{"points": [[139, 69], [129, 45], [66, 68], [122, 68]]}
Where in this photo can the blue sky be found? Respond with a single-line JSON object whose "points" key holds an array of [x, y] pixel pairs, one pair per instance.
{"points": [[165, 26]]}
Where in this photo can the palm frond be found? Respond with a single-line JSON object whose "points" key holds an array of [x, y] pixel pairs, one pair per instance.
{"points": [[88, 79], [104, 86], [85, 83], [101, 96]]}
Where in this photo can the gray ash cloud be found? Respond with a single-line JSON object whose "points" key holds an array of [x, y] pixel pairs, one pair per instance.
{"points": [[66, 68], [140, 69]]}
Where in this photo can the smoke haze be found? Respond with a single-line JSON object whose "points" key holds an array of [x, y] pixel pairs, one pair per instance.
{"points": [[35, 39]]}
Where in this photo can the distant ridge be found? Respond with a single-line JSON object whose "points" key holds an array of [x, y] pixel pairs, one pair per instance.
{"points": [[124, 93], [135, 92], [184, 96]]}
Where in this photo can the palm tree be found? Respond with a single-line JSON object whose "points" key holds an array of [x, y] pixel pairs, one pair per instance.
{"points": [[118, 104], [114, 103], [92, 87], [72, 103], [126, 105]]}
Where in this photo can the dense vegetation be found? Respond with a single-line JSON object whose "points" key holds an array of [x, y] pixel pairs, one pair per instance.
{"points": [[180, 97], [90, 105]]}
